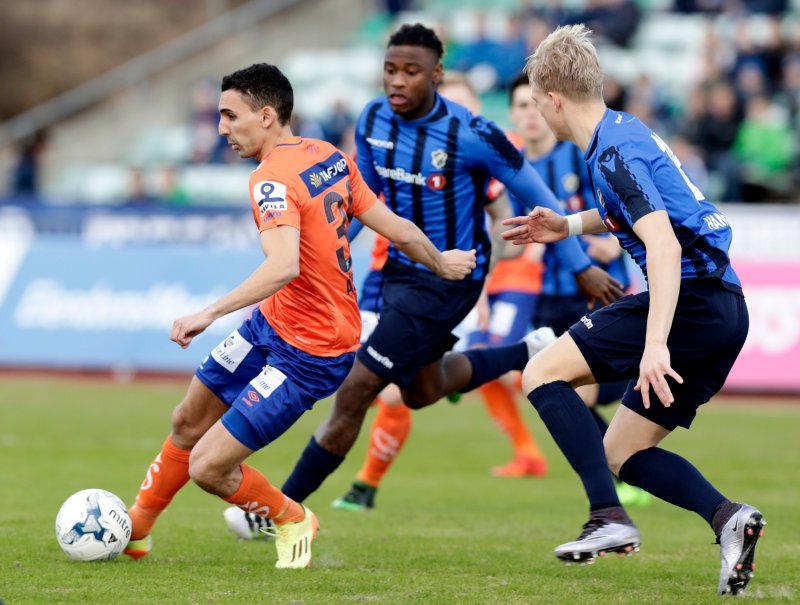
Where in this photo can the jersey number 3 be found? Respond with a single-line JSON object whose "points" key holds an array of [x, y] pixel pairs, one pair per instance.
{"points": [[333, 203]]}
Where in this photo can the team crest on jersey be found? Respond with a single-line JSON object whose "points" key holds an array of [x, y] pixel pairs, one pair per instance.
{"points": [[438, 158], [270, 197], [570, 182]]}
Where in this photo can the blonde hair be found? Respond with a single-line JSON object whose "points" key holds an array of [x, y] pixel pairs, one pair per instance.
{"points": [[566, 61]]}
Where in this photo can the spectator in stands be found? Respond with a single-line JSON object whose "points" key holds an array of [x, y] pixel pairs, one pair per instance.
{"points": [[614, 93], [139, 195], [614, 21], [713, 129], [26, 174], [336, 123], [790, 92], [206, 142], [764, 148]]}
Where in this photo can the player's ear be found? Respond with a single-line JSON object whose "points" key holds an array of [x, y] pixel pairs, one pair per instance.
{"points": [[555, 99], [438, 74], [268, 116]]}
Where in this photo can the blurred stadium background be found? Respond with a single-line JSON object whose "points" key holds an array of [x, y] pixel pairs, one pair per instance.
{"points": [[121, 208]]}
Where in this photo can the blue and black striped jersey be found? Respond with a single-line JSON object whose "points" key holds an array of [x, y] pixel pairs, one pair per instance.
{"points": [[564, 171], [634, 173], [435, 170]]}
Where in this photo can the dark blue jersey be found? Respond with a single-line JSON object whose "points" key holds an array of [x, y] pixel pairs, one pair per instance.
{"points": [[434, 171], [564, 171], [634, 173]]}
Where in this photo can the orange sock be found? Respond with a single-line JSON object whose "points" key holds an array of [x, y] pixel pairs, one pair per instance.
{"points": [[388, 434], [168, 473], [259, 496], [502, 406]]}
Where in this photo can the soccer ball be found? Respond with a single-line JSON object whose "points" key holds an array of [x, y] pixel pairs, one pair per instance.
{"points": [[93, 525]]}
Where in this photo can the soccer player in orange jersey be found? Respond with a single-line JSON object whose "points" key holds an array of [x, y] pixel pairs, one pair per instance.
{"points": [[299, 345]]}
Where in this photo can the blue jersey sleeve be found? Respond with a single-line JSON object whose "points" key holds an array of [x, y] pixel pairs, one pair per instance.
{"points": [[354, 229], [631, 185], [494, 152]]}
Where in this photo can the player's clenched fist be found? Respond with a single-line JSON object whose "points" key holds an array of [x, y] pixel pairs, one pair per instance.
{"points": [[184, 329], [457, 264]]}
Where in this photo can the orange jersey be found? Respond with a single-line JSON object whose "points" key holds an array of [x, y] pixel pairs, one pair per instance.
{"points": [[520, 274], [314, 187]]}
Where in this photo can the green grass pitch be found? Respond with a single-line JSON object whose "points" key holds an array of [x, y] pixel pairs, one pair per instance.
{"points": [[443, 531]]}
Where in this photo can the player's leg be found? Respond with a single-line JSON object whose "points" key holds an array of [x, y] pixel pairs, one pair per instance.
{"points": [[388, 434], [337, 434], [500, 398], [598, 395], [288, 386], [508, 323], [169, 472], [217, 381], [548, 380]]}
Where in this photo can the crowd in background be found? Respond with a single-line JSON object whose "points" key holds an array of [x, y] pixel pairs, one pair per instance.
{"points": [[735, 128]]}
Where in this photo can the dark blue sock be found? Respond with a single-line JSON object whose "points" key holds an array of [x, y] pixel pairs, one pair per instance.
{"points": [[313, 467], [673, 479], [599, 421], [609, 392], [574, 431], [493, 362]]}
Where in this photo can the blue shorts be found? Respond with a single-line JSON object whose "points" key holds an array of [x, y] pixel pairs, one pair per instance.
{"points": [[419, 312], [267, 382], [509, 319], [708, 331], [559, 311]]}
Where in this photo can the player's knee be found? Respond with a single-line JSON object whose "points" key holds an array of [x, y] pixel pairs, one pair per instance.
{"points": [[616, 456], [421, 396], [203, 472], [186, 431]]}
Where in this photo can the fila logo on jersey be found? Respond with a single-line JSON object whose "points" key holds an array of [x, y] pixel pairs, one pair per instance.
{"points": [[270, 196], [325, 174], [438, 158]]}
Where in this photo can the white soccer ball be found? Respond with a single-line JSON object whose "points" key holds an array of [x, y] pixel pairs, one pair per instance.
{"points": [[93, 525]]}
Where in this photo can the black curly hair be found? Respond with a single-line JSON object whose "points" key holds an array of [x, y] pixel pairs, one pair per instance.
{"points": [[263, 84], [417, 35]]}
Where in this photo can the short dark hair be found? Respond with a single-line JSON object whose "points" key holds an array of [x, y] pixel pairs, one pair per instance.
{"points": [[263, 84], [520, 80], [417, 35]]}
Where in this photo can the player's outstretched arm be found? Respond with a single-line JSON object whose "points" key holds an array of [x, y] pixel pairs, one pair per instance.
{"points": [[281, 245], [541, 225], [409, 239]]}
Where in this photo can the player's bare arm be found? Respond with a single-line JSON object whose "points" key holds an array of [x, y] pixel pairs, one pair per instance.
{"points": [[281, 246], [409, 239], [664, 281], [545, 226], [603, 249]]}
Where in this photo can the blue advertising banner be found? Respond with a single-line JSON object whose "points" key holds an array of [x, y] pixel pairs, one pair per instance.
{"points": [[75, 306], [65, 303]]}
